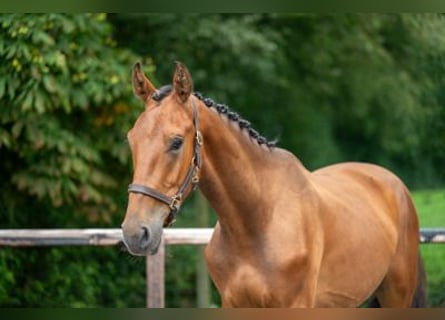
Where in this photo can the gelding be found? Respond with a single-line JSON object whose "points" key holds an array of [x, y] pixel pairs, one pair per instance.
{"points": [[285, 237]]}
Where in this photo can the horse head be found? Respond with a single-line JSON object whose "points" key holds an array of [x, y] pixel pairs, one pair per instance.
{"points": [[164, 143]]}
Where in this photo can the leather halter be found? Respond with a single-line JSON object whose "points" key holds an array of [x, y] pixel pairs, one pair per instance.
{"points": [[192, 177]]}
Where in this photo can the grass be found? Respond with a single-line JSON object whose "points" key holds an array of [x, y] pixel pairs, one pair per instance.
{"points": [[430, 206]]}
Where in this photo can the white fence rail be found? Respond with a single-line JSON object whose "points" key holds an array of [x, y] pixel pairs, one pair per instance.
{"points": [[154, 264], [93, 237]]}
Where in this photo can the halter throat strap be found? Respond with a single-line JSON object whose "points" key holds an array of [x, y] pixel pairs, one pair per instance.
{"points": [[192, 177]]}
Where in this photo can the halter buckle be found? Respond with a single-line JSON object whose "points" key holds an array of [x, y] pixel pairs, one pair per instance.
{"points": [[195, 177], [198, 138], [175, 203]]}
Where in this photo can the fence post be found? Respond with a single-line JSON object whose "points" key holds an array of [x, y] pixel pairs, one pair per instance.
{"points": [[155, 278], [202, 277]]}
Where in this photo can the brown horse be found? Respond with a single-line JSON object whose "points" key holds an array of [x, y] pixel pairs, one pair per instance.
{"points": [[285, 237]]}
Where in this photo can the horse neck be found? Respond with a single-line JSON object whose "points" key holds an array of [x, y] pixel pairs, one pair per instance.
{"points": [[238, 174]]}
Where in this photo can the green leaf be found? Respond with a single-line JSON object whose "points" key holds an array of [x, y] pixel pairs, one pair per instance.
{"points": [[49, 83], [39, 102], [28, 101], [2, 86], [5, 139], [42, 38], [10, 52], [17, 128]]}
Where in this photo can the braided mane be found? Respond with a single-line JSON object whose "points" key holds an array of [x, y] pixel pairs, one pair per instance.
{"points": [[223, 110]]}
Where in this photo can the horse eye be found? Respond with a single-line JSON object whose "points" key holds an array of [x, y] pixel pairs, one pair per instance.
{"points": [[176, 144]]}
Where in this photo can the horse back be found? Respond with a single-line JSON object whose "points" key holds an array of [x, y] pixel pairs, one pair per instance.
{"points": [[363, 185], [364, 196]]}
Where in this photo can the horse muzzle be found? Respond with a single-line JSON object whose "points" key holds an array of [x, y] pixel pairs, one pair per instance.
{"points": [[142, 239]]}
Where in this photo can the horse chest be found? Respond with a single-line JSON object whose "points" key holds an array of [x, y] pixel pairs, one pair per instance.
{"points": [[245, 286], [242, 283]]}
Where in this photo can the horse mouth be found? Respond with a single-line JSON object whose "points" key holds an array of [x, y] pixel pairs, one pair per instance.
{"points": [[140, 252], [145, 242], [154, 248]]}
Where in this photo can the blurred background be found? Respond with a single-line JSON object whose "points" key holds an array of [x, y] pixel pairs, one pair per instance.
{"points": [[330, 88]]}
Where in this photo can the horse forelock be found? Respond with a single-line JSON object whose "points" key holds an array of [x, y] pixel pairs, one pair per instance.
{"points": [[162, 92]]}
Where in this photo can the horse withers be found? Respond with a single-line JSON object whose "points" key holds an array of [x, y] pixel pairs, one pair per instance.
{"points": [[285, 236]]}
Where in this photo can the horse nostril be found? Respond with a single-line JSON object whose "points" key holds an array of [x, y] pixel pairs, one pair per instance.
{"points": [[144, 240]]}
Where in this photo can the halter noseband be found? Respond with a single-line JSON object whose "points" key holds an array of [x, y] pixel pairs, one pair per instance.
{"points": [[174, 202]]}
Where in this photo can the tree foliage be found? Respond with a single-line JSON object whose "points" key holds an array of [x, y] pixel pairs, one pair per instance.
{"points": [[65, 108], [367, 90], [66, 104], [330, 87]]}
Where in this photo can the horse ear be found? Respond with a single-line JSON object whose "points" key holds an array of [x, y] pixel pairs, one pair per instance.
{"points": [[142, 87], [182, 82]]}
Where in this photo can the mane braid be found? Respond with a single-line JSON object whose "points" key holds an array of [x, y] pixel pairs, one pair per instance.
{"points": [[233, 116], [164, 91]]}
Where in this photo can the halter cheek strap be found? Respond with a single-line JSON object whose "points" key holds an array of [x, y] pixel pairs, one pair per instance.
{"points": [[192, 177]]}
